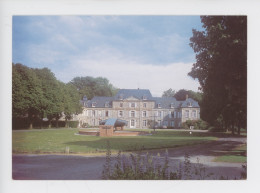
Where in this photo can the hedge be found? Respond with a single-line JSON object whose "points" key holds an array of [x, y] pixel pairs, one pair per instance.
{"points": [[24, 123]]}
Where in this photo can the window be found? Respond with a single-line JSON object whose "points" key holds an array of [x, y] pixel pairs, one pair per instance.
{"points": [[106, 104], [159, 123], [194, 114], [165, 123], [172, 123], [132, 123], [160, 114], [172, 105], [144, 113], [170, 114], [159, 105], [133, 105], [132, 114], [187, 114], [144, 105], [93, 113], [189, 104], [144, 123], [107, 113], [99, 113], [120, 113], [144, 97], [94, 104], [121, 96], [121, 105]]}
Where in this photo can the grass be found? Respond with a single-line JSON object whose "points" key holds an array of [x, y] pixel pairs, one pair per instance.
{"points": [[237, 155], [56, 141]]}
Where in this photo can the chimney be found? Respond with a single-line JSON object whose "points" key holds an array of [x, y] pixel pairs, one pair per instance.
{"points": [[187, 96]]}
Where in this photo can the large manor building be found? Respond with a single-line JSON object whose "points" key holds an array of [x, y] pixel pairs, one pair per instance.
{"points": [[138, 107]]}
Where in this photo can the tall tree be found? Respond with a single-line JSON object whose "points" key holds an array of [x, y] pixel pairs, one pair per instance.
{"points": [[221, 68], [91, 87], [181, 94], [168, 93], [27, 96]]}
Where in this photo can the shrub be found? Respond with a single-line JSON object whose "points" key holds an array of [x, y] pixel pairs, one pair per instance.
{"points": [[216, 129], [197, 124], [147, 167]]}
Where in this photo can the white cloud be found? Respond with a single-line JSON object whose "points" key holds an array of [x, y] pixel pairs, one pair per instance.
{"points": [[124, 73]]}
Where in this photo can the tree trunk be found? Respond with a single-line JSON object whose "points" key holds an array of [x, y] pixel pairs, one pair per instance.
{"points": [[238, 129], [31, 125], [233, 129], [49, 124], [56, 123]]}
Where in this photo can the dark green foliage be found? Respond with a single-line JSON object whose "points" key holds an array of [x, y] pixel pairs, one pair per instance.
{"points": [[90, 87], [37, 94], [197, 124], [169, 93], [24, 123], [221, 68], [147, 167], [181, 95]]}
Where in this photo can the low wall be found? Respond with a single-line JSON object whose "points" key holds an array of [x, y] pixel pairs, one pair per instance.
{"points": [[93, 133], [106, 130]]}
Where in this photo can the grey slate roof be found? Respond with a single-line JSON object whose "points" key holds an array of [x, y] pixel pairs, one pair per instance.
{"points": [[165, 102], [100, 102], [137, 93]]}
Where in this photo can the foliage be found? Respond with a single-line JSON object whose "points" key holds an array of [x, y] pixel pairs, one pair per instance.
{"points": [[197, 124], [182, 93], [142, 166], [169, 93], [221, 68], [36, 93], [90, 87], [152, 123]]}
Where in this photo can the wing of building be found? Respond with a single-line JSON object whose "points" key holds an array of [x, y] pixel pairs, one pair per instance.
{"points": [[139, 108]]}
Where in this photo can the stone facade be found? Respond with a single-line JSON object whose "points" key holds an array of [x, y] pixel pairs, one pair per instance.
{"points": [[138, 107]]}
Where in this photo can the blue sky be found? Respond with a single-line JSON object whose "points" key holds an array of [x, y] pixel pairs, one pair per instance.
{"points": [[149, 52]]}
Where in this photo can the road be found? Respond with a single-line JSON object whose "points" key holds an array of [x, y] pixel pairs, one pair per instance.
{"points": [[70, 167]]}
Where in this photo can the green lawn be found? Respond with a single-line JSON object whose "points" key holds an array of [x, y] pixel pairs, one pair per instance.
{"points": [[237, 155], [56, 141]]}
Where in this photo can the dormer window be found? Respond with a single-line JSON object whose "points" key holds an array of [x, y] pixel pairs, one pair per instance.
{"points": [[132, 105], [106, 104], [144, 97], [94, 104], [172, 105], [189, 104], [159, 105], [121, 97]]}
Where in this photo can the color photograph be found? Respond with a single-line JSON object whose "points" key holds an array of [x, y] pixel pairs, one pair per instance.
{"points": [[129, 97]]}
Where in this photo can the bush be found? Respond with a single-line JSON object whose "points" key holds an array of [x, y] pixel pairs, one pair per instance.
{"points": [[197, 124], [24, 123], [216, 129]]}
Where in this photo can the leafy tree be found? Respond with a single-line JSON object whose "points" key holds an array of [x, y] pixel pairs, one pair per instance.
{"points": [[181, 95], [221, 68], [91, 87], [169, 93], [27, 96]]}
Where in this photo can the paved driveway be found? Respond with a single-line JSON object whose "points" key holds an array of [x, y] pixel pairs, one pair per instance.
{"points": [[63, 167]]}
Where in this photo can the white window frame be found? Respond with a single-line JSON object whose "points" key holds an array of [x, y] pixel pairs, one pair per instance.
{"points": [[144, 114], [144, 123], [144, 105], [159, 105], [187, 114], [132, 105], [121, 105], [120, 113], [172, 123], [132, 113]]}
